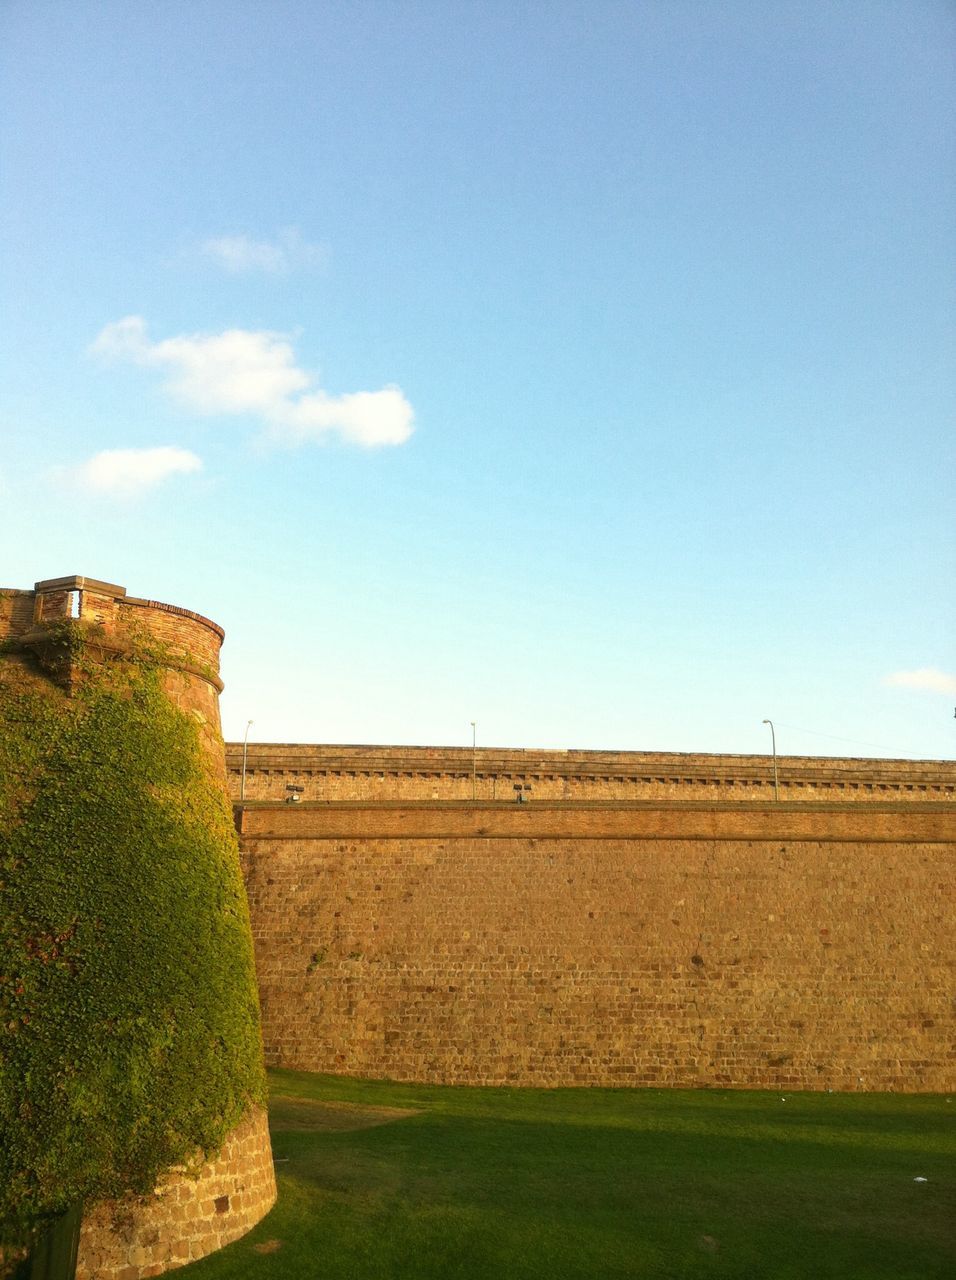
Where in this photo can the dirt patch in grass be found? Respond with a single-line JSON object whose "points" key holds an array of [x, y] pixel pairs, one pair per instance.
{"points": [[268, 1246], [301, 1115]]}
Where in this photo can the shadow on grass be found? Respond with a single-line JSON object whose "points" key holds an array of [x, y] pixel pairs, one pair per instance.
{"points": [[612, 1183], [311, 1116]]}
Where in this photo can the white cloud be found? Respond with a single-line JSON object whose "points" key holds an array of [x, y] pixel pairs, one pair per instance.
{"points": [[232, 372], [240, 255], [365, 418], [244, 371], [126, 473], [928, 678]]}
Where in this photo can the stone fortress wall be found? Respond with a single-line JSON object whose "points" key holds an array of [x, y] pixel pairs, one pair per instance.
{"points": [[188, 1217], [642, 919]]}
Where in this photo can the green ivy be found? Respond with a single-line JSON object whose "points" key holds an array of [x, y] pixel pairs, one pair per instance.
{"points": [[129, 1025]]}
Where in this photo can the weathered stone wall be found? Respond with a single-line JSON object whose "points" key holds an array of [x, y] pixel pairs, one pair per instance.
{"points": [[187, 1217], [791, 946], [454, 773]]}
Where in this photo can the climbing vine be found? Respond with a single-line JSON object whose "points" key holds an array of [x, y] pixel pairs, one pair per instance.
{"points": [[129, 1031]]}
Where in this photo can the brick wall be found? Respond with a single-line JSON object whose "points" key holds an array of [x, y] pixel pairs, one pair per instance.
{"points": [[16, 612], [790, 946]]}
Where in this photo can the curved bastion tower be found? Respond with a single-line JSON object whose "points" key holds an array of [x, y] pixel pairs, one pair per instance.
{"points": [[131, 1078]]}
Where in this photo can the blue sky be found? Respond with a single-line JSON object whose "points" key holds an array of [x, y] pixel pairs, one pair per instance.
{"points": [[584, 370]]}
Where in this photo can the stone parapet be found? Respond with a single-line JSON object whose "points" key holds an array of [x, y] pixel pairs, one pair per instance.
{"points": [[369, 773]]}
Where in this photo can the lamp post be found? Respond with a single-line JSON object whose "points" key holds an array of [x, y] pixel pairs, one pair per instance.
{"points": [[245, 749], [773, 743], [474, 760]]}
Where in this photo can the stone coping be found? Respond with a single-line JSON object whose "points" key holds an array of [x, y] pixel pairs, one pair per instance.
{"points": [[632, 764]]}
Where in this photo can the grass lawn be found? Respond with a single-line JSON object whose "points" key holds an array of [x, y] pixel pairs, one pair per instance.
{"points": [[380, 1180]]}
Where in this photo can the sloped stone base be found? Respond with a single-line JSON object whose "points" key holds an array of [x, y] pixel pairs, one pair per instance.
{"points": [[187, 1217]]}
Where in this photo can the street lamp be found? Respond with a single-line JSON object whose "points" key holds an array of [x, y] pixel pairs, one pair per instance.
{"points": [[474, 760], [245, 749], [773, 742]]}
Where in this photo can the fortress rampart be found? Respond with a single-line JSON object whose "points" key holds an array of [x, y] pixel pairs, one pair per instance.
{"points": [[639, 919], [373, 773]]}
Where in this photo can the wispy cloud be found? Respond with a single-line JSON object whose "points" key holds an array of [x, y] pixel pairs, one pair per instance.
{"points": [[127, 473], [241, 255], [927, 678], [244, 371]]}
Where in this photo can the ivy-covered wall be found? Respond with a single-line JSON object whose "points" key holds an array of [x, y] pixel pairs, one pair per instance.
{"points": [[129, 1028]]}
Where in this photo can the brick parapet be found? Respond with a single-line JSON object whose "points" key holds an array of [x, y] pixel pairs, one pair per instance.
{"points": [[182, 630], [16, 612], [110, 622], [105, 613]]}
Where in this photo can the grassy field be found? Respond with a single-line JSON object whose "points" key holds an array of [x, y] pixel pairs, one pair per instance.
{"points": [[381, 1180]]}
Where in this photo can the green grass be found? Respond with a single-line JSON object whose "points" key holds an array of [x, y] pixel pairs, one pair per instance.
{"points": [[515, 1184]]}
